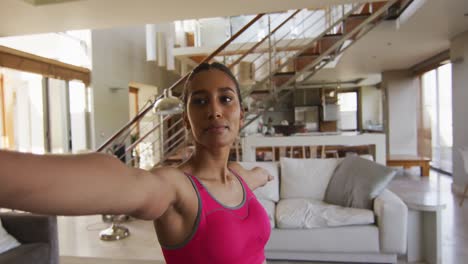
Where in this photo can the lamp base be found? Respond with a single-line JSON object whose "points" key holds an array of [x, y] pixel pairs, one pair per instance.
{"points": [[110, 218], [114, 232]]}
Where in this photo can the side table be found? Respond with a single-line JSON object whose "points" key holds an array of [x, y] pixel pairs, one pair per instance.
{"points": [[424, 229]]}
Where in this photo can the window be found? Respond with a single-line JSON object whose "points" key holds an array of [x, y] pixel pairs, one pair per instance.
{"points": [[437, 101]]}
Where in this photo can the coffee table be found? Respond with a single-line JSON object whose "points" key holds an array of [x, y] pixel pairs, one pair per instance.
{"points": [[408, 161]]}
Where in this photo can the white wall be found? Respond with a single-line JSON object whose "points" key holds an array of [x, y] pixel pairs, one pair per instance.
{"points": [[402, 97], [371, 105], [459, 57], [118, 58]]}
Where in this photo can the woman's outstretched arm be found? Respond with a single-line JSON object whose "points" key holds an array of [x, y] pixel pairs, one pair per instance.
{"points": [[80, 185], [255, 178]]}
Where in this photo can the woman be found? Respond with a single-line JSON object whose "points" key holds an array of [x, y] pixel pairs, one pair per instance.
{"points": [[203, 211]]}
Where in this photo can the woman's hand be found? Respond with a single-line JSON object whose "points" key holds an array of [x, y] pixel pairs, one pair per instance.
{"points": [[255, 177], [261, 175]]}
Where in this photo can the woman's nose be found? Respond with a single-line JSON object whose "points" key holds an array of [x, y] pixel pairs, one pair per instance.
{"points": [[214, 110]]}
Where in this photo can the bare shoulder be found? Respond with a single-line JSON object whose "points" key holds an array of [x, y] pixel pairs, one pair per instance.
{"points": [[256, 177], [239, 169], [170, 175], [165, 171]]}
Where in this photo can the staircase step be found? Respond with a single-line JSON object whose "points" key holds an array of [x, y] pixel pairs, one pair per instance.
{"points": [[280, 78], [303, 60], [377, 5], [352, 22], [314, 50], [329, 40]]}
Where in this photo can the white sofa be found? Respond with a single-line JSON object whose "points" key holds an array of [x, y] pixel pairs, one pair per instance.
{"points": [[306, 228]]}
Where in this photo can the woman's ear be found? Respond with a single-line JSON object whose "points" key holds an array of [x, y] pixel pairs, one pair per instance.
{"points": [[186, 121]]}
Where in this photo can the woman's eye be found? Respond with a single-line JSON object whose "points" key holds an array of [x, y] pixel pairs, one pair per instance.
{"points": [[226, 99], [198, 101]]}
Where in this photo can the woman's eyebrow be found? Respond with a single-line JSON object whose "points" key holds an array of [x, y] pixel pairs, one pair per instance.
{"points": [[226, 89], [197, 92]]}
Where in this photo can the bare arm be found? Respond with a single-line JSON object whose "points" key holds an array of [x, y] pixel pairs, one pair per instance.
{"points": [[81, 184], [256, 177]]}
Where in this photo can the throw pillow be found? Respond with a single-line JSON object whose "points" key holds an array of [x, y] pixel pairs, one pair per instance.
{"points": [[271, 190], [306, 178], [7, 242], [356, 182]]}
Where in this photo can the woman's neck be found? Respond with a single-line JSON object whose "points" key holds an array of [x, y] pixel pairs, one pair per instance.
{"points": [[212, 164]]}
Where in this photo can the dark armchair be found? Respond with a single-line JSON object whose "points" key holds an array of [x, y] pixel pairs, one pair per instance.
{"points": [[37, 235]]}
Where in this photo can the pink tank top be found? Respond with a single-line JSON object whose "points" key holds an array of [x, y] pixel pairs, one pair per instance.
{"points": [[222, 234]]}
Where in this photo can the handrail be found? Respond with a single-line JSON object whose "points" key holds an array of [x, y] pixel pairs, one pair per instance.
{"points": [[291, 56], [263, 81], [291, 40], [231, 65], [264, 38], [373, 16], [206, 59], [351, 33], [253, 35], [146, 134]]}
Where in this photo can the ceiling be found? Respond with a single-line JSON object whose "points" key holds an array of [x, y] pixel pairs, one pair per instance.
{"points": [[389, 46], [21, 17]]}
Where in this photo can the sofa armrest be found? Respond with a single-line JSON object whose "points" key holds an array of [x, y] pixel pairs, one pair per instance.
{"points": [[392, 221], [31, 228]]}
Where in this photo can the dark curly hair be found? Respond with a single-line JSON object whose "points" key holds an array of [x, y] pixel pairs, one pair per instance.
{"points": [[205, 67]]}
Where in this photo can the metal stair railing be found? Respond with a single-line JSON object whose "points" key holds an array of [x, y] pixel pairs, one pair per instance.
{"points": [[123, 136], [177, 139], [273, 97], [272, 32], [124, 139], [305, 44]]}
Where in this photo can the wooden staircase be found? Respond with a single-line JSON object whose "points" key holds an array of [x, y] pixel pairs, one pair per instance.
{"points": [[307, 59]]}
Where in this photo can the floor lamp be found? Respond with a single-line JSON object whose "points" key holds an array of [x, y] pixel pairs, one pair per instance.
{"points": [[166, 105]]}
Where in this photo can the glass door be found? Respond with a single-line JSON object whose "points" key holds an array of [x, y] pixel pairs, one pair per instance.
{"points": [[78, 110], [22, 119], [437, 101], [58, 116]]}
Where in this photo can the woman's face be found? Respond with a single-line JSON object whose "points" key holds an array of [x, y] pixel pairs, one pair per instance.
{"points": [[213, 113]]}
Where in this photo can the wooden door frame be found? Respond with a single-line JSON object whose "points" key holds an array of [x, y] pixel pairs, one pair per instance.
{"points": [[2, 109], [135, 91]]}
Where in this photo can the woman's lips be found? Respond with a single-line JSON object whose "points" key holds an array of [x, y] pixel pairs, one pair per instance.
{"points": [[217, 129]]}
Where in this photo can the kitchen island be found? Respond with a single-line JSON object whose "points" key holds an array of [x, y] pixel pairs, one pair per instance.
{"points": [[251, 142]]}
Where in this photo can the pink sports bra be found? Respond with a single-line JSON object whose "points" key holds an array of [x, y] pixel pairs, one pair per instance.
{"points": [[223, 234]]}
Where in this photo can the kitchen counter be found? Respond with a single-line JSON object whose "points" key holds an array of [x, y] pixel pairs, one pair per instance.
{"points": [[251, 142]]}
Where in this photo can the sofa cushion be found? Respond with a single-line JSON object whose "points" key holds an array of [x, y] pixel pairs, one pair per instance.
{"points": [[345, 239], [308, 213], [7, 241], [271, 190], [305, 178], [270, 209], [37, 253], [356, 182]]}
